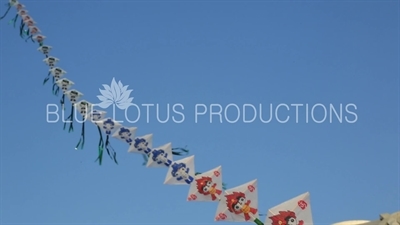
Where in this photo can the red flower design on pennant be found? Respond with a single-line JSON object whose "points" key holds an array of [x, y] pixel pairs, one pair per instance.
{"points": [[222, 216], [251, 188], [193, 197], [216, 173], [302, 204]]}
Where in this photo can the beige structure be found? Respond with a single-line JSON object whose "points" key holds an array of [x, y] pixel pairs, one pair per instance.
{"points": [[384, 219], [352, 222]]}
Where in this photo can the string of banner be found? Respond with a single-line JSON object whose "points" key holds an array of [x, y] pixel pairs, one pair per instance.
{"points": [[238, 204]]}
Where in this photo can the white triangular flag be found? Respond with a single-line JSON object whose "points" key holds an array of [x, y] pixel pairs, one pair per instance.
{"points": [[181, 172], [296, 211], [239, 204]]}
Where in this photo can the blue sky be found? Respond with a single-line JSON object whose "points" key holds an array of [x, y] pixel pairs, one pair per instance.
{"points": [[204, 52]]}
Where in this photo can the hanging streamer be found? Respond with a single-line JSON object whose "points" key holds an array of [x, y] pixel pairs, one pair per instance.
{"points": [[180, 151], [73, 96], [84, 108], [109, 126], [12, 3], [5, 14], [162, 153], [95, 116]]}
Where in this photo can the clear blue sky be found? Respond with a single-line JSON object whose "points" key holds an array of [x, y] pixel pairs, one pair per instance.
{"points": [[204, 52]]}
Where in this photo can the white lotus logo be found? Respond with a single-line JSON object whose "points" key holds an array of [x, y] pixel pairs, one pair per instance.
{"points": [[116, 94]]}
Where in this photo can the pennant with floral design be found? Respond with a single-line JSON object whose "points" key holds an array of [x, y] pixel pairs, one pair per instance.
{"points": [[125, 134], [181, 172], [142, 145], [161, 156]]}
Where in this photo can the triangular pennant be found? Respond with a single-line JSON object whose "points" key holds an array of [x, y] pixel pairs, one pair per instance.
{"points": [[25, 18], [57, 73], [207, 186], [45, 49], [108, 125], [96, 115], [84, 108], [142, 145], [161, 156], [181, 172], [13, 2], [50, 61], [33, 29], [64, 84], [40, 38], [125, 134], [22, 12], [296, 211], [73, 95], [239, 204]]}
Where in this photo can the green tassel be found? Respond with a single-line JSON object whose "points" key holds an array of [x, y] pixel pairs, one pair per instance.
{"points": [[30, 37], [5, 14], [14, 21], [81, 142], [70, 117], [46, 79], [21, 29], [71, 125], [108, 148], [145, 158], [180, 151], [62, 101], [258, 222], [101, 147], [56, 88]]}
